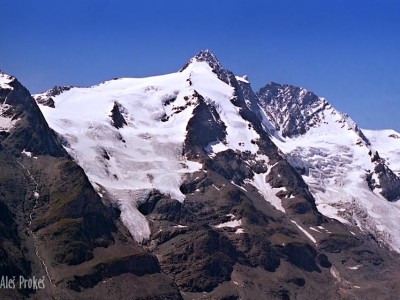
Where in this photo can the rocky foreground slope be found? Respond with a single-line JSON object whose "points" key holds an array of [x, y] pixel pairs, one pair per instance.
{"points": [[192, 186]]}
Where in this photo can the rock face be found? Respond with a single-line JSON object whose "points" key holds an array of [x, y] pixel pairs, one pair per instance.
{"points": [[389, 182], [294, 110], [47, 99], [193, 186], [117, 119]]}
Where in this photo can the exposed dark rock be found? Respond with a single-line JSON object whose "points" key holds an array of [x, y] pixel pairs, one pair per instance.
{"points": [[31, 132], [298, 281], [200, 183], [117, 119], [323, 261], [200, 261], [172, 210], [147, 206], [338, 243], [293, 110], [208, 57], [203, 128], [46, 101], [302, 256], [139, 264], [375, 157], [389, 182], [230, 165], [47, 98]]}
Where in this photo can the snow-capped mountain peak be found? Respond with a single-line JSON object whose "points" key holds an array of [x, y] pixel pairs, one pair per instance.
{"points": [[201, 169], [342, 168], [211, 60], [135, 129], [206, 56]]}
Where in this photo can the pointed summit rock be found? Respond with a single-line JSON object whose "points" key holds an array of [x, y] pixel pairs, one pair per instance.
{"points": [[207, 56]]}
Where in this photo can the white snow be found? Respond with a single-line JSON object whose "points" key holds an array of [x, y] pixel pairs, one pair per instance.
{"points": [[5, 81], [219, 94], [387, 142], [239, 186], [335, 273], [143, 155], [336, 162], [180, 226], [239, 231], [315, 229], [215, 147], [231, 224], [266, 191], [147, 153], [242, 79], [305, 232], [27, 153], [355, 267]]}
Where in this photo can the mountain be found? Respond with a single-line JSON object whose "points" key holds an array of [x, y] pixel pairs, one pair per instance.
{"points": [[53, 224], [348, 171], [191, 185]]}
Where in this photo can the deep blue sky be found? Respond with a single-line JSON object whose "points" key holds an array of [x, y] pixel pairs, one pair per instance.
{"points": [[345, 50]]}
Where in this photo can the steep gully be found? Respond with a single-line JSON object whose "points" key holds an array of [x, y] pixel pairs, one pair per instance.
{"points": [[29, 226]]}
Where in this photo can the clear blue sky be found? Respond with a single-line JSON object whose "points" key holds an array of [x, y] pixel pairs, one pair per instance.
{"points": [[345, 50]]}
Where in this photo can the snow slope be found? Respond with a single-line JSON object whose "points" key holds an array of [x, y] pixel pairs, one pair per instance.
{"points": [[387, 142], [146, 153], [334, 160]]}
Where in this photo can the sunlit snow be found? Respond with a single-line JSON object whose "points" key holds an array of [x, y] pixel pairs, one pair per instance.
{"points": [[145, 154], [231, 224], [5, 81], [305, 232], [267, 191], [336, 163]]}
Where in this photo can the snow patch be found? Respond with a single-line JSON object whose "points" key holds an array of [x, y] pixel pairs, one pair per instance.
{"points": [[27, 153], [305, 232], [315, 229], [266, 191], [180, 226], [355, 267], [231, 224], [239, 186], [335, 273], [242, 79], [5, 81], [215, 147]]}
